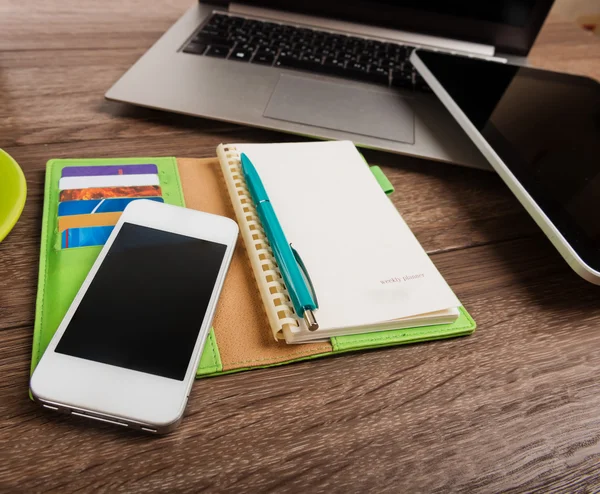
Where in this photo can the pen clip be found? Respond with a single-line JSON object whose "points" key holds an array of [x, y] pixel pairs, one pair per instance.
{"points": [[305, 274]]}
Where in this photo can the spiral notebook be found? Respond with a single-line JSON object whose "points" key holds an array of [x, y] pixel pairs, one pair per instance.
{"points": [[368, 270]]}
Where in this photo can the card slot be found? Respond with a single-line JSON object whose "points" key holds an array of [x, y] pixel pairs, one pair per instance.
{"points": [[73, 249], [66, 270], [57, 244], [70, 183], [99, 206], [61, 271], [88, 220], [85, 236], [62, 275], [110, 193]]}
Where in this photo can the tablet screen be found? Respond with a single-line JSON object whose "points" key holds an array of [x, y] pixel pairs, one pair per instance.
{"points": [[545, 127]]}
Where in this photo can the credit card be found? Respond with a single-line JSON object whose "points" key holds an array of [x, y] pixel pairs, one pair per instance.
{"points": [[85, 237], [66, 183], [109, 192], [90, 171], [83, 220], [98, 205]]}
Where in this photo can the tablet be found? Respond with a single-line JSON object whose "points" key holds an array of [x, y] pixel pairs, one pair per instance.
{"points": [[540, 131]]}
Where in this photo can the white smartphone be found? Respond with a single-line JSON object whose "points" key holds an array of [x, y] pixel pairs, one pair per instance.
{"points": [[128, 348], [539, 130]]}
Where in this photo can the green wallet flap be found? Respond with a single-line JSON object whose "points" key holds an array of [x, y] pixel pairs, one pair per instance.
{"points": [[62, 271], [464, 325]]}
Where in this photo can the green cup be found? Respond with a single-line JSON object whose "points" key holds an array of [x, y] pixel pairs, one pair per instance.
{"points": [[13, 191]]}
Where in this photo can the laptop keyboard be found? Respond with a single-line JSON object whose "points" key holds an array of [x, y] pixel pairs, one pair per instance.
{"points": [[281, 45]]}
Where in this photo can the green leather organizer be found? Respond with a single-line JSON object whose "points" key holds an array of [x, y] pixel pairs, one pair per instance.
{"points": [[61, 272]]}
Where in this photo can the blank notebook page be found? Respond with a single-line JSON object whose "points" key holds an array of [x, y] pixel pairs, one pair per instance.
{"points": [[366, 265]]}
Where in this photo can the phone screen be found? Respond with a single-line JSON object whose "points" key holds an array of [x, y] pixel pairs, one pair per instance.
{"points": [[144, 308]]}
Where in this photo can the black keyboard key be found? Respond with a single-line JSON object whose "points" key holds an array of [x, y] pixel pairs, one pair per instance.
{"points": [[269, 26], [358, 44], [304, 31], [240, 31], [268, 50], [407, 49], [277, 38], [379, 75], [404, 67], [212, 31], [387, 63], [264, 58], [241, 54], [367, 60], [375, 45], [309, 63], [311, 58], [204, 39], [242, 39], [283, 45], [317, 39], [357, 67], [217, 21], [359, 72], [301, 47], [218, 51], [367, 51], [287, 59], [294, 52], [354, 59], [317, 51], [334, 66], [401, 78], [420, 84], [251, 24], [196, 48]]}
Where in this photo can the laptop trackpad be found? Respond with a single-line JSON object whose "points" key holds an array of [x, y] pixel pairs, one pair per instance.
{"points": [[340, 106]]}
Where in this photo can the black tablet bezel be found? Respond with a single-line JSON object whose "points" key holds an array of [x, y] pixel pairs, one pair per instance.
{"points": [[445, 67]]}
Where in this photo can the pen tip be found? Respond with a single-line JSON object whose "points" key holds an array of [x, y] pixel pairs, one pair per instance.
{"points": [[311, 322]]}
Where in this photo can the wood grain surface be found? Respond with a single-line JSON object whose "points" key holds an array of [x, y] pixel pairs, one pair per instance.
{"points": [[515, 407]]}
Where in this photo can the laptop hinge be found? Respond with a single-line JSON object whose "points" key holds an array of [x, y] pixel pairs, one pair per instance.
{"points": [[424, 40]]}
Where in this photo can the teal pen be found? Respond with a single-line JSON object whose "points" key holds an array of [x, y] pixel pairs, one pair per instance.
{"points": [[290, 264]]}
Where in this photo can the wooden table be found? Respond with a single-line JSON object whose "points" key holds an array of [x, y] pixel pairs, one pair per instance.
{"points": [[516, 406]]}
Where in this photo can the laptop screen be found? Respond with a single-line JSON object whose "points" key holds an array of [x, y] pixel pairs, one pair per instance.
{"points": [[509, 25]]}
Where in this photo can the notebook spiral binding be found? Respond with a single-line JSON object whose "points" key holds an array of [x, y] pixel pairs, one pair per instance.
{"points": [[274, 294]]}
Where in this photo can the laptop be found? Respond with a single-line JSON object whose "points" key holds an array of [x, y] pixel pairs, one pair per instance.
{"points": [[329, 69]]}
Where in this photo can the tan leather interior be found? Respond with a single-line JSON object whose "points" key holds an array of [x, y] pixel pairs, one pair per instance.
{"points": [[240, 325]]}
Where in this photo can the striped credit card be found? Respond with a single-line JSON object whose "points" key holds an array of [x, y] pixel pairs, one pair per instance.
{"points": [[67, 183], [102, 170], [94, 206], [109, 192], [85, 237]]}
